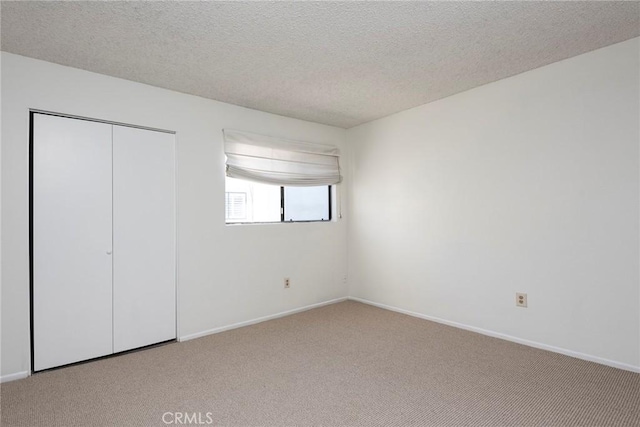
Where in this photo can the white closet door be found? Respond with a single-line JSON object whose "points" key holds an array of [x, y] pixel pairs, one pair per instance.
{"points": [[144, 298], [72, 298]]}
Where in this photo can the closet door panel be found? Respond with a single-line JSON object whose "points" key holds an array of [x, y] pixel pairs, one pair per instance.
{"points": [[144, 237], [72, 272]]}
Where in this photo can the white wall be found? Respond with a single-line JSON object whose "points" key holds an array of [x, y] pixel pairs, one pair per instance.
{"points": [[226, 274], [529, 184]]}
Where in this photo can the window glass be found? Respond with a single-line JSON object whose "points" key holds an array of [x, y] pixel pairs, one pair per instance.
{"points": [[261, 201], [306, 203]]}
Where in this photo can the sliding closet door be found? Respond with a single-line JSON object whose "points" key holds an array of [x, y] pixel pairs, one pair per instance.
{"points": [[72, 301], [144, 298]]}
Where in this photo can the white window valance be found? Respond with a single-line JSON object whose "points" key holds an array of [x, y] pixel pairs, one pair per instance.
{"points": [[280, 161]]}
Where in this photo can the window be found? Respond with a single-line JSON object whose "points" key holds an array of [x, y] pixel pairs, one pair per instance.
{"points": [[278, 180], [253, 202]]}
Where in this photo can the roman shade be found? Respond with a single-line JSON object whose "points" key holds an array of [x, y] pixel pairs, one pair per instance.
{"points": [[280, 161]]}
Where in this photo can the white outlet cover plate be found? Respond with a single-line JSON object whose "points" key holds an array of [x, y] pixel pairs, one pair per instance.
{"points": [[521, 300]]}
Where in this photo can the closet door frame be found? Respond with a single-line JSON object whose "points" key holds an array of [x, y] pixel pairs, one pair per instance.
{"points": [[32, 113]]}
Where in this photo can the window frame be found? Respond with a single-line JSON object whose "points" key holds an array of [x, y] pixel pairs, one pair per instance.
{"points": [[282, 211]]}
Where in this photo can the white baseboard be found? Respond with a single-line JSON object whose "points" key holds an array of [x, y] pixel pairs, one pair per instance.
{"points": [[258, 320], [13, 377], [506, 337]]}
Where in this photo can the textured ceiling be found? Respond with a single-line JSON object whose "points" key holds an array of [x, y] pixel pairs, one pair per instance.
{"points": [[339, 63]]}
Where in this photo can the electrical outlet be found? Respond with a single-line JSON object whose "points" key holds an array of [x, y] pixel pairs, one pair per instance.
{"points": [[521, 300], [287, 283]]}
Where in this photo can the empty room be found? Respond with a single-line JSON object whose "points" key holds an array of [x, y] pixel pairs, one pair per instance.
{"points": [[320, 213]]}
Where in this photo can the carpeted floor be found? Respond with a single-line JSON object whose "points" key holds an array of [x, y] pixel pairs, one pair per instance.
{"points": [[344, 364]]}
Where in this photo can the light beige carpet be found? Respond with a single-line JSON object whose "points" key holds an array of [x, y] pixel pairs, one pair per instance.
{"points": [[344, 364]]}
